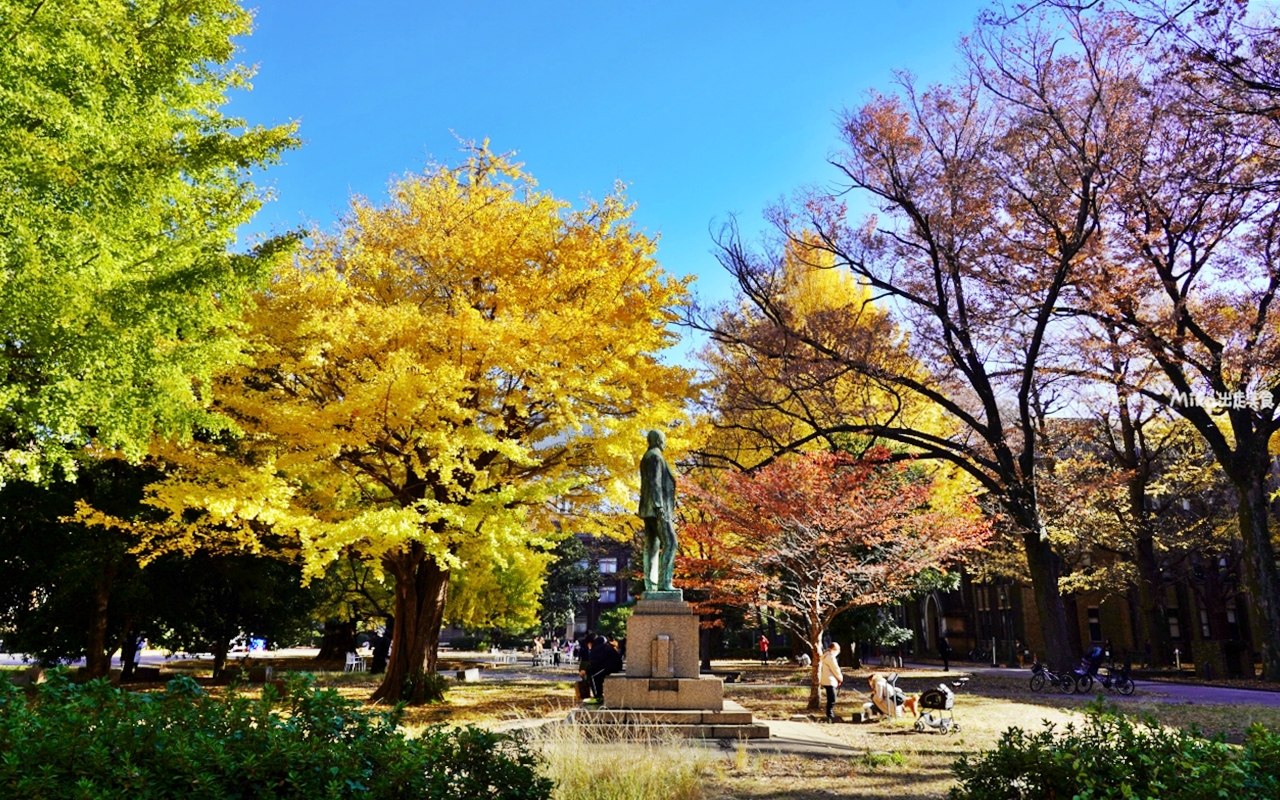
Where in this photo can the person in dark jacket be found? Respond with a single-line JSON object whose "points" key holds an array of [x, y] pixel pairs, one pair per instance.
{"points": [[382, 647], [605, 661], [944, 650], [585, 667]]}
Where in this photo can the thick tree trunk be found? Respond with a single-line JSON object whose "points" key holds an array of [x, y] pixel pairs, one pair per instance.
{"points": [[1045, 567], [1151, 603], [97, 657], [1261, 577], [128, 650], [422, 587], [338, 640], [220, 648]]}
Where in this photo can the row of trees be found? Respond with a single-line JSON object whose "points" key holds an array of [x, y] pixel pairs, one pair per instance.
{"points": [[1086, 218], [438, 391]]}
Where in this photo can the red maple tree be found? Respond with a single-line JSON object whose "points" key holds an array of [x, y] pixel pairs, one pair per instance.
{"points": [[815, 534]]}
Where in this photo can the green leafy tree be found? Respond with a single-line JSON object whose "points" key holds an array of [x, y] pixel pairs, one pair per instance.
{"points": [[121, 187], [571, 578], [70, 590], [213, 599]]}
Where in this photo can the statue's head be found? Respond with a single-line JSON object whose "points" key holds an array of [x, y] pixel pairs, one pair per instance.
{"points": [[657, 439]]}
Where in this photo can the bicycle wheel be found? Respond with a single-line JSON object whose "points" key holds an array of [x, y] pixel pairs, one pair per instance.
{"points": [[1037, 682], [1066, 684], [1125, 686], [1083, 684]]}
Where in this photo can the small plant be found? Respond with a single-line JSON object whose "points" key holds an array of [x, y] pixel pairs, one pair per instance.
{"points": [[741, 757], [875, 760], [1111, 756], [425, 687], [96, 742]]}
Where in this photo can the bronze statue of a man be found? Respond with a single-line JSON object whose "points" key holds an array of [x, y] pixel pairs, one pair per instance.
{"points": [[657, 509]]}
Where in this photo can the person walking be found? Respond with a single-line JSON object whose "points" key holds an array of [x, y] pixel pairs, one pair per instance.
{"points": [[944, 650], [764, 650], [830, 677]]}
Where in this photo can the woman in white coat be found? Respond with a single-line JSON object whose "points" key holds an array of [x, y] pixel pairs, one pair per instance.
{"points": [[830, 677]]}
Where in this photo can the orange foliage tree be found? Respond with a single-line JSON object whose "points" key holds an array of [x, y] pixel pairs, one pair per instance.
{"points": [[815, 534]]}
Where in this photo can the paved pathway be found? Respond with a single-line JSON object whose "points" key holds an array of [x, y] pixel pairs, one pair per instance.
{"points": [[1159, 691]]}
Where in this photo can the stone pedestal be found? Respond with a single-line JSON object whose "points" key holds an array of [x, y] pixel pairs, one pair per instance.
{"points": [[662, 662], [662, 640]]}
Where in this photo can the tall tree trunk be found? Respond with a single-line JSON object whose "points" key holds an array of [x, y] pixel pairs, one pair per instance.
{"points": [[1260, 573], [422, 587], [220, 648], [815, 651], [128, 650], [1045, 566], [1151, 602], [97, 657]]}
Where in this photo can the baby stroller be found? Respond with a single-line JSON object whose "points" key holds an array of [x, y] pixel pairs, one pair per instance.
{"points": [[939, 717]]}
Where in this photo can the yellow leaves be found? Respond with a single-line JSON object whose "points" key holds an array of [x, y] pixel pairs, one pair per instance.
{"points": [[439, 372]]}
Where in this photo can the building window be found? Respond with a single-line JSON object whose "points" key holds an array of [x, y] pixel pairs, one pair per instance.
{"points": [[608, 594], [584, 564], [1233, 621], [580, 626], [1095, 625], [1002, 597], [1204, 623], [1175, 626], [608, 566], [1086, 558]]}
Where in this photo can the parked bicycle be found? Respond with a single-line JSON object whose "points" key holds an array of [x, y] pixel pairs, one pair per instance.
{"points": [[980, 654], [1042, 676], [1115, 680], [1087, 672]]}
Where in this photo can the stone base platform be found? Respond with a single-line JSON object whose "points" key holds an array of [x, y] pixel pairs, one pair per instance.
{"points": [[686, 694], [731, 722]]}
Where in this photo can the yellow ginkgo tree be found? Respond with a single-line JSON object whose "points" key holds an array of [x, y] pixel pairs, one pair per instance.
{"points": [[437, 383]]}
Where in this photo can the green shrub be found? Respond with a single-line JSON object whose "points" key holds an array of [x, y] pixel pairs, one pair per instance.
{"points": [[1111, 756], [94, 742]]}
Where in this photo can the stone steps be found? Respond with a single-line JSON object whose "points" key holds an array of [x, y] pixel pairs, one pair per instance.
{"points": [[733, 722]]}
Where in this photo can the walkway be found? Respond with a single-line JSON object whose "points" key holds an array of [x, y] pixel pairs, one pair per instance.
{"points": [[1158, 691]]}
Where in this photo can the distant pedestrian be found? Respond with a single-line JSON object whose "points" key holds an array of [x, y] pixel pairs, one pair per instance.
{"points": [[944, 650], [764, 650], [382, 647], [585, 684], [830, 677]]}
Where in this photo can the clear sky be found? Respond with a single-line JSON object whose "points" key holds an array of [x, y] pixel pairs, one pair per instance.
{"points": [[704, 109]]}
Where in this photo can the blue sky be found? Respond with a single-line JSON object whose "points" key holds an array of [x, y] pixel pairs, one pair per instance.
{"points": [[702, 109]]}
